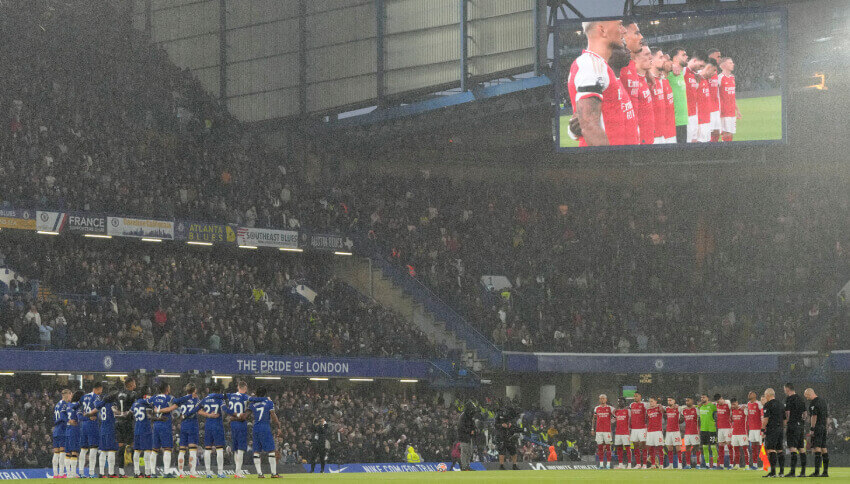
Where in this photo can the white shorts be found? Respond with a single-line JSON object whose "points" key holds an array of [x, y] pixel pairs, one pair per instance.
{"points": [[638, 435], [740, 441], [622, 440], [754, 436], [729, 124], [658, 140], [724, 436], [654, 439], [671, 141], [715, 120], [673, 439], [690, 440], [603, 438], [704, 133], [693, 128]]}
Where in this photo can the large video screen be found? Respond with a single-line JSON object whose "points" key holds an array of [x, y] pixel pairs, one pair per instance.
{"points": [[695, 79]]}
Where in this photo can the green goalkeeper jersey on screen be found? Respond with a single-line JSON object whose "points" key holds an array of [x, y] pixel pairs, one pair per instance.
{"points": [[708, 417]]}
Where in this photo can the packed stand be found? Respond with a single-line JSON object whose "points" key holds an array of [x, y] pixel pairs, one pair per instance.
{"points": [[366, 426], [174, 299], [598, 267]]}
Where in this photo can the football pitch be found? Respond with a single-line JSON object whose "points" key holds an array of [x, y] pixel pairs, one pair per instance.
{"points": [[656, 476], [761, 120]]}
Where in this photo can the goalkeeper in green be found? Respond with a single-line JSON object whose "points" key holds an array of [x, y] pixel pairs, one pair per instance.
{"points": [[708, 431]]}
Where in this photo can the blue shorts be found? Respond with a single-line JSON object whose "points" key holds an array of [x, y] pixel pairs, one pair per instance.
{"points": [[142, 442], [162, 436], [89, 435], [239, 436], [263, 440], [58, 441], [72, 439], [213, 437], [108, 441], [189, 437]]}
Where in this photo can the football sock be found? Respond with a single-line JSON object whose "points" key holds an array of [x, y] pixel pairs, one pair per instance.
{"points": [[237, 458], [273, 463], [208, 460], [825, 459], [81, 460], [802, 463], [92, 461], [56, 463], [258, 464], [110, 461], [102, 463], [219, 460], [793, 462], [771, 457], [817, 462], [193, 460], [136, 456], [181, 459], [780, 458]]}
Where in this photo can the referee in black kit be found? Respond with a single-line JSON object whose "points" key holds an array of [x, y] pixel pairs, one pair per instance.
{"points": [[771, 422], [819, 414], [795, 407]]}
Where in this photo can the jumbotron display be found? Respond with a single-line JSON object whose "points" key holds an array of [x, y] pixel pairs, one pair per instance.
{"points": [[695, 79]]}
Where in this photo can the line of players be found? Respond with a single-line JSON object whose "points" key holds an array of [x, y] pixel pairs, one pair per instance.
{"points": [[626, 93], [97, 424], [711, 429]]}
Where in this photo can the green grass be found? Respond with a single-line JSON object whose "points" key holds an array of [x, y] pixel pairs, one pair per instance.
{"points": [[761, 121], [654, 476]]}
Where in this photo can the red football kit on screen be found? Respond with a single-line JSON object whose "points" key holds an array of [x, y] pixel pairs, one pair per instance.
{"points": [[659, 105], [704, 102], [728, 102], [714, 85], [646, 113], [691, 88], [590, 76], [670, 127], [603, 418]]}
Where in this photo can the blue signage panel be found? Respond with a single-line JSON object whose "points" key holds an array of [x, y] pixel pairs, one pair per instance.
{"points": [[222, 364], [648, 363], [391, 467]]}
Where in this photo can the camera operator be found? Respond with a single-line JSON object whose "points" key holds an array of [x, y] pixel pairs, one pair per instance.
{"points": [[319, 443]]}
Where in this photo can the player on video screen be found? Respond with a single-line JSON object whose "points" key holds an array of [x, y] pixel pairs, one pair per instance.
{"points": [[659, 95], [729, 113], [714, 85], [645, 108], [705, 101], [603, 107]]}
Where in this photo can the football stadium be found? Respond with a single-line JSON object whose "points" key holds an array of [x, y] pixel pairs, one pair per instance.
{"points": [[465, 240]]}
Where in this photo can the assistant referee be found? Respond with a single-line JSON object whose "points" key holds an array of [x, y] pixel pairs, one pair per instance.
{"points": [[819, 415], [771, 423], [795, 407]]}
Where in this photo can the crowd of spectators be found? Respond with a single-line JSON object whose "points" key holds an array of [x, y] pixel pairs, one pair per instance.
{"points": [[156, 298], [109, 124], [366, 425]]}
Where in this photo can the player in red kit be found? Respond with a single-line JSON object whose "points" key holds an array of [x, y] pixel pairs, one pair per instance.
{"points": [[654, 432], [659, 96], [644, 106], [598, 99], [704, 101], [695, 64], [670, 102], [690, 415], [714, 83], [724, 429], [637, 424], [621, 437], [673, 438], [754, 415], [729, 113], [739, 434], [602, 415]]}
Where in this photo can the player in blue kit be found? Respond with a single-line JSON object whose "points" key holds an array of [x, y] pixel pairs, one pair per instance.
{"points": [[72, 434], [60, 420], [188, 429], [163, 439], [263, 410], [142, 433], [108, 441], [211, 407], [90, 429], [237, 408]]}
